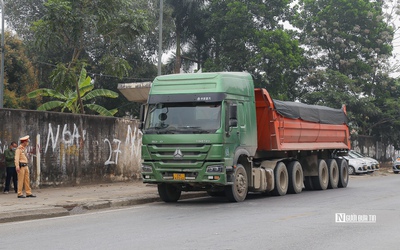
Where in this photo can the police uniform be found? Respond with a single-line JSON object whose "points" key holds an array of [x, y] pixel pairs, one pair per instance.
{"points": [[21, 163]]}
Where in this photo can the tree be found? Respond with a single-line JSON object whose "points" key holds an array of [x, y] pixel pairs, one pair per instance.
{"points": [[349, 41], [110, 50], [386, 125], [391, 11], [184, 14], [248, 36], [68, 99], [70, 34], [278, 60], [20, 75], [20, 14], [79, 28], [348, 36]]}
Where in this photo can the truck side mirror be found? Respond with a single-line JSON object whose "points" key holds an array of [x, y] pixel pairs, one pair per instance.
{"points": [[231, 118], [141, 117]]}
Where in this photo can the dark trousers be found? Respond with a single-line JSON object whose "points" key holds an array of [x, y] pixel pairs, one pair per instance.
{"points": [[11, 173]]}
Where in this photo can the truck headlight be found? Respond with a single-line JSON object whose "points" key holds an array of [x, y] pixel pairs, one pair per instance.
{"points": [[215, 169], [147, 169]]}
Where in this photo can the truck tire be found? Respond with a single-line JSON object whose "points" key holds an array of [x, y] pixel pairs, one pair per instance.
{"points": [[333, 173], [321, 181], [343, 173], [238, 191], [295, 177], [169, 192], [281, 180]]}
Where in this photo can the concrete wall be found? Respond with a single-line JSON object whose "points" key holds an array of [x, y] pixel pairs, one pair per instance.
{"points": [[68, 149]]}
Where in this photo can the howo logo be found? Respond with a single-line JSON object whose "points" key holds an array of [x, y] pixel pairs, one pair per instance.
{"points": [[178, 153]]}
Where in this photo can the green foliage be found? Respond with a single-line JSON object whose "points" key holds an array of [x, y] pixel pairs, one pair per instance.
{"points": [[20, 76], [185, 14], [277, 57], [69, 100], [247, 36], [351, 35], [115, 66], [64, 35], [91, 32], [63, 77], [20, 14], [347, 44]]}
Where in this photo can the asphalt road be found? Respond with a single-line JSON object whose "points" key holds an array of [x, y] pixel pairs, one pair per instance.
{"points": [[300, 221]]}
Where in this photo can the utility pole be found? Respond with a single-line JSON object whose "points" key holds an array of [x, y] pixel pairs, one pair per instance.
{"points": [[160, 37], [2, 56]]}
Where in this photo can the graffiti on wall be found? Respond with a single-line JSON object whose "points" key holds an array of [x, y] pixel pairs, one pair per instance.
{"points": [[133, 137], [70, 140], [60, 138], [113, 156], [3, 146], [132, 141]]}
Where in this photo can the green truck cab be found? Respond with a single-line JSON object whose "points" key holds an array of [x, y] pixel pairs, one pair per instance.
{"points": [[195, 129]]}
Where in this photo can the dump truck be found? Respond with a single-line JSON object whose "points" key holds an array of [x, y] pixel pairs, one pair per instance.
{"points": [[215, 132]]}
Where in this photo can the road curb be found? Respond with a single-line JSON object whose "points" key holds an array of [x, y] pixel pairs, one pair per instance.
{"points": [[75, 208], [33, 214]]}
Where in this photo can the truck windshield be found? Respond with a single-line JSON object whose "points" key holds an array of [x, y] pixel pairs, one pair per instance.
{"points": [[183, 118]]}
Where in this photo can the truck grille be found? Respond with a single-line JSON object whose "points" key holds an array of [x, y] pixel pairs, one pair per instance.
{"points": [[178, 156]]}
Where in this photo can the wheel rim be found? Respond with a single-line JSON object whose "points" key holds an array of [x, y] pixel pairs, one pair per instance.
{"points": [[241, 184], [283, 180], [351, 170]]}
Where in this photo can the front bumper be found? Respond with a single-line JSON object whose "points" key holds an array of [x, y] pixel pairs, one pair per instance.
{"points": [[194, 177], [396, 168]]}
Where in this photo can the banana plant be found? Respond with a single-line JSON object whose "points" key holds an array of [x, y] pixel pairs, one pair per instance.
{"points": [[68, 100]]}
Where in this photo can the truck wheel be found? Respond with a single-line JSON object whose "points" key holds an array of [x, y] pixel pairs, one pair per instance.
{"points": [[295, 177], [333, 173], [238, 191], [321, 181], [281, 180], [169, 192], [343, 173], [308, 183]]}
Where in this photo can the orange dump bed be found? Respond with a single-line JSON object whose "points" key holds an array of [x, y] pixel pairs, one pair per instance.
{"points": [[276, 132]]}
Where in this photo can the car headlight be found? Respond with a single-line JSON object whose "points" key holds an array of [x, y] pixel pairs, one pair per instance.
{"points": [[147, 169], [215, 169]]}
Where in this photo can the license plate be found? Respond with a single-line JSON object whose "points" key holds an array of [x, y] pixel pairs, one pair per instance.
{"points": [[179, 177]]}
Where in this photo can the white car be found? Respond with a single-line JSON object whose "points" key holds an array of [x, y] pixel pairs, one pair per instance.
{"points": [[356, 165], [396, 165], [372, 164]]}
